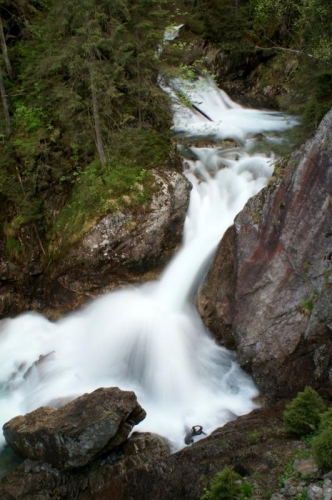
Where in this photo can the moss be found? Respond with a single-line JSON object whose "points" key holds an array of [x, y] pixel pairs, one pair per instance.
{"points": [[14, 248], [306, 267], [125, 181], [254, 436], [308, 305], [256, 217]]}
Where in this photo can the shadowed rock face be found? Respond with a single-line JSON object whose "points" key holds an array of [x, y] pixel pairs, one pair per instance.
{"points": [[127, 246], [268, 293], [73, 435]]}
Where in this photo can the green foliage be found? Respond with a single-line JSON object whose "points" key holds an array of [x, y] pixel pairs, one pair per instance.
{"points": [[227, 485], [14, 248], [296, 56], [308, 305], [254, 436], [29, 118], [322, 448], [277, 15], [228, 23], [125, 181], [302, 415], [302, 496], [288, 472], [326, 420], [81, 68], [302, 32], [89, 67]]}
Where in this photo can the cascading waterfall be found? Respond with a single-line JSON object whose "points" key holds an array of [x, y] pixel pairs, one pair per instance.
{"points": [[151, 339]]}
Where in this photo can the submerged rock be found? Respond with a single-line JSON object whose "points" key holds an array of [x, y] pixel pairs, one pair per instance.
{"points": [[73, 435], [268, 293]]}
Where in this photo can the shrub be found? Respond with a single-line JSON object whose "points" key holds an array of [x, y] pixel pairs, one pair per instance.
{"points": [[322, 448], [302, 415], [226, 485], [326, 420]]}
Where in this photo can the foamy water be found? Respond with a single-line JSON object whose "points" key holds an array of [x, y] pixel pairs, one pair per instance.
{"points": [[151, 339]]}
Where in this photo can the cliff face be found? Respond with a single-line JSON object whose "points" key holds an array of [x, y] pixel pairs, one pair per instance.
{"points": [[268, 292], [127, 246]]}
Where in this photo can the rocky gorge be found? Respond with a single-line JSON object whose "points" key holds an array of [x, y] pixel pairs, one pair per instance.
{"points": [[125, 317], [268, 296]]}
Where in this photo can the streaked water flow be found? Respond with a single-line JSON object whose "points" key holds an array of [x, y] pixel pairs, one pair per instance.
{"points": [[151, 339]]}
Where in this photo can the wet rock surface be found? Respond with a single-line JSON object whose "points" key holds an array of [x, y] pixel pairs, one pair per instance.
{"points": [[127, 246], [268, 293], [256, 445], [73, 435]]}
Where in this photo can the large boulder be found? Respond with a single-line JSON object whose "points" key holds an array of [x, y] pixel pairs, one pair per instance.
{"points": [[73, 435], [268, 292], [127, 245]]}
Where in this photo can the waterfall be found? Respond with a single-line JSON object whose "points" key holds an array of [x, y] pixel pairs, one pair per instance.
{"points": [[151, 339]]}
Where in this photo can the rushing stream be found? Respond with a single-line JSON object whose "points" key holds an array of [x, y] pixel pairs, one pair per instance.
{"points": [[151, 339]]}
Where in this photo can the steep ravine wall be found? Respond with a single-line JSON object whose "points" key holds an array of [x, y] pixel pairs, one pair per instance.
{"points": [[268, 292], [125, 246]]}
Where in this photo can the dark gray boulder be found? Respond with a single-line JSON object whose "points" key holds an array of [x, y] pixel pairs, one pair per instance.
{"points": [[73, 435]]}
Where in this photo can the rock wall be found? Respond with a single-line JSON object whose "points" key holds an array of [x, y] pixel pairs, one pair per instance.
{"points": [[129, 246], [268, 292]]}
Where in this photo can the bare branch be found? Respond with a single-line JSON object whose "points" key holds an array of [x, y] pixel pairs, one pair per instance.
{"points": [[4, 50], [5, 104], [299, 52]]}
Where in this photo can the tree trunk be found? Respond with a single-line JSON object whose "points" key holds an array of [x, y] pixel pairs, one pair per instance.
{"points": [[5, 103], [96, 119], [95, 106], [138, 90], [4, 50]]}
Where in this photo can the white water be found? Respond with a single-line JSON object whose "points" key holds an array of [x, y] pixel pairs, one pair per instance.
{"points": [[151, 339]]}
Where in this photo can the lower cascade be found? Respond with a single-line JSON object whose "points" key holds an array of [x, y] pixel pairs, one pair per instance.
{"points": [[151, 339]]}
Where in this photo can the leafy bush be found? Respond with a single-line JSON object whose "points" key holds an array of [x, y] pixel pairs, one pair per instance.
{"points": [[322, 448], [326, 420], [226, 485], [302, 415]]}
